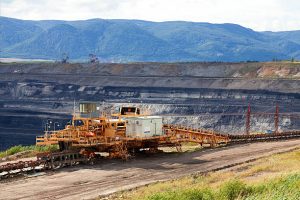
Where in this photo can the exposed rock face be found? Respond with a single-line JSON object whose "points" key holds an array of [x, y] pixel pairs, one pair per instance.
{"points": [[207, 95]]}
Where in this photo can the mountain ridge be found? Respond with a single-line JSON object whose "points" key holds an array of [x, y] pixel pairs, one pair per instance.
{"points": [[121, 40]]}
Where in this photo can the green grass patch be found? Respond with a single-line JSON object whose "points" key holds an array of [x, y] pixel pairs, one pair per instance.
{"points": [[286, 187], [33, 148], [188, 194]]}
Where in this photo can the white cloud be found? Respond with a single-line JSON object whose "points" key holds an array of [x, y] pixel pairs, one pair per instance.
{"points": [[260, 15]]}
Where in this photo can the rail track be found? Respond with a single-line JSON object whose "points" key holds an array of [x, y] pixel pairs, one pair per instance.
{"points": [[44, 161], [55, 160], [264, 137]]}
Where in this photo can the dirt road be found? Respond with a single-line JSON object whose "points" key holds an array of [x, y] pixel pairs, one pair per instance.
{"points": [[86, 182]]}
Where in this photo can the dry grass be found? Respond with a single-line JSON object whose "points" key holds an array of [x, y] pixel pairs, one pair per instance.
{"points": [[275, 177], [186, 147]]}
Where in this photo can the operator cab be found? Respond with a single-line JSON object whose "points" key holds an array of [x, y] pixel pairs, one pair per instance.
{"points": [[129, 111]]}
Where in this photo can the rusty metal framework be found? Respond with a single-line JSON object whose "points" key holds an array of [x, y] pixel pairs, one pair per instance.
{"points": [[180, 134], [44, 161], [108, 134], [276, 118], [263, 137], [248, 120]]}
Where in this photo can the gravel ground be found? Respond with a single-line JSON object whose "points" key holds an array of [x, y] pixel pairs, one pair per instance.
{"points": [[109, 176]]}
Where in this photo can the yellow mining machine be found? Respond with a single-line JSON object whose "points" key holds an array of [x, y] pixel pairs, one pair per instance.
{"points": [[123, 133], [120, 135]]}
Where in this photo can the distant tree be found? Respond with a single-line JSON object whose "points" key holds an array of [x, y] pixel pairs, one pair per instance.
{"points": [[64, 58], [292, 59], [93, 58]]}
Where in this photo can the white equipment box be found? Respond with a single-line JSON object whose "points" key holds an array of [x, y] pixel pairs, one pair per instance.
{"points": [[144, 126]]}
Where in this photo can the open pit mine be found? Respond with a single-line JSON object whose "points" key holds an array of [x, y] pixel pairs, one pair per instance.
{"points": [[125, 109]]}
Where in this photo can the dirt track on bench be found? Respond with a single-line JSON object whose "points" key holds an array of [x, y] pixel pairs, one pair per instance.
{"points": [[86, 182]]}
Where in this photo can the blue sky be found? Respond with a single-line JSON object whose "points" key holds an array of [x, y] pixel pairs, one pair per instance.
{"points": [[261, 15]]}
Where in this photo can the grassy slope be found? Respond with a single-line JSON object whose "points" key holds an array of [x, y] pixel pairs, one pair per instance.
{"points": [[276, 177]]}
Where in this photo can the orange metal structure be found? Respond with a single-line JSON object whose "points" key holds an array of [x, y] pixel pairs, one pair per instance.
{"points": [[108, 134], [88, 134]]}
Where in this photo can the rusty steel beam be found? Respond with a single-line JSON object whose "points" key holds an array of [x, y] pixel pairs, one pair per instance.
{"points": [[248, 120], [276, 119]]}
